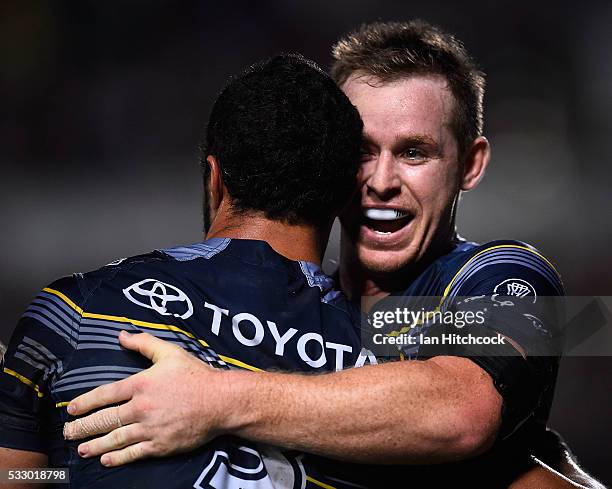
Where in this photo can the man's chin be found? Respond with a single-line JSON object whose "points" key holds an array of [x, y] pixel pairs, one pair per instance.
{"points": [[379, 262]]}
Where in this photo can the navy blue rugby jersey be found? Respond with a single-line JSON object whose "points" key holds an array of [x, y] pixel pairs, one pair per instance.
{"points": [[512, 286], [232, 303], [509, 279]]}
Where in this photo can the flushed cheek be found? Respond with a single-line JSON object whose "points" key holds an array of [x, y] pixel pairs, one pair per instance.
{"points": [[434, 210], [433, 193]]}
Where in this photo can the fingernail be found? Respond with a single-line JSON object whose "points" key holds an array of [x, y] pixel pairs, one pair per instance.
{"points": [[105, 460], [71, 409], [83, 450], [124, 334]]}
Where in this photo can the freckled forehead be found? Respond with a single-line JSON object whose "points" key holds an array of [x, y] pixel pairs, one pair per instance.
{"points": [[416, 104]]}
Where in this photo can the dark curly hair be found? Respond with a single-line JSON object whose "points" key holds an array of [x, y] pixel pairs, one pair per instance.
{"points": [[287, 140]]}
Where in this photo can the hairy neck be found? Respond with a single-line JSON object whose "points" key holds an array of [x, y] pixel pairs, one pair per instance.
{"points": [[296, 242]]}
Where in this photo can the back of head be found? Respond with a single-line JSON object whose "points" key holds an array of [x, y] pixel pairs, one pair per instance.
{"points": [[393, 50], [287, 141]]}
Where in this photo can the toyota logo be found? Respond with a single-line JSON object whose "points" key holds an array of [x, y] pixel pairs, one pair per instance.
{"points": [[156, 295]]}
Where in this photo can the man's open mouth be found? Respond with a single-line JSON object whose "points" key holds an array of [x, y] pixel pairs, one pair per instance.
{"points": [[385, 221]]}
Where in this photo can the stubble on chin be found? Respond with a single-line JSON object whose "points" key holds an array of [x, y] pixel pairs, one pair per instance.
{"points": [[387, 263]]}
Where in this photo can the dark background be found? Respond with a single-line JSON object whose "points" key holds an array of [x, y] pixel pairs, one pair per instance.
{"points": [[102, 105]]}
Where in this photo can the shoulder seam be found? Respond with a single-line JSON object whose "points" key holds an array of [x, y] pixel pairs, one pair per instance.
{"points": [[513, 248]]}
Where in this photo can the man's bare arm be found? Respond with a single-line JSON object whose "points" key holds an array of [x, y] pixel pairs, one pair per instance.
{"points": [[438, 410], [13, 459]]}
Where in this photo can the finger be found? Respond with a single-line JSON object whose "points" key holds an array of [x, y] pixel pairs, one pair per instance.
{"points": [[98, 423], [127, 455], [104, 395], [115, 440], [148, 345]]}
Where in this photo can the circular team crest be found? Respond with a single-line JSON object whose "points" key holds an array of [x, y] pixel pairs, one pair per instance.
{"points": [[514, 287]]}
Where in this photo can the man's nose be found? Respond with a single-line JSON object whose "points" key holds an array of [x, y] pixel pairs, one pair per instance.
{"points": [[384, 181]]}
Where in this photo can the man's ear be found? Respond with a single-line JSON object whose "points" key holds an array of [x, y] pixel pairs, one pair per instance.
{"points": [[475, 163], [216, 188]]}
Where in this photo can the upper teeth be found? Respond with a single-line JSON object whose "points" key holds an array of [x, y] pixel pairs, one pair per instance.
{"points": [[384, 214]]}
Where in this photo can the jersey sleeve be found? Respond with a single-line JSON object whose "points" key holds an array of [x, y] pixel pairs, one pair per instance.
{"points": [[514, 290], [39, 349]]}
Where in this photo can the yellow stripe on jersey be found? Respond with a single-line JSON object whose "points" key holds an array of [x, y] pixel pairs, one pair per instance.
{"points": [[240, 364], [122, 319], [146, 324], [61, 404], [319, 483], [24, 380], [405, 329], [65, 298], [448, 287]]}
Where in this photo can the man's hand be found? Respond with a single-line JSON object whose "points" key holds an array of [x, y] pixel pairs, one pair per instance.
{"points": [[165, 412], [356, 415]]}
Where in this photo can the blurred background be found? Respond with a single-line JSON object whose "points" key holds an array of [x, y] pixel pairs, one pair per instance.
{"points": [[103, 105]]}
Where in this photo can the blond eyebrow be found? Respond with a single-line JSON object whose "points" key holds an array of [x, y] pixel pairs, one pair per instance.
{"points": [[404, 141], [415, 139]]}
